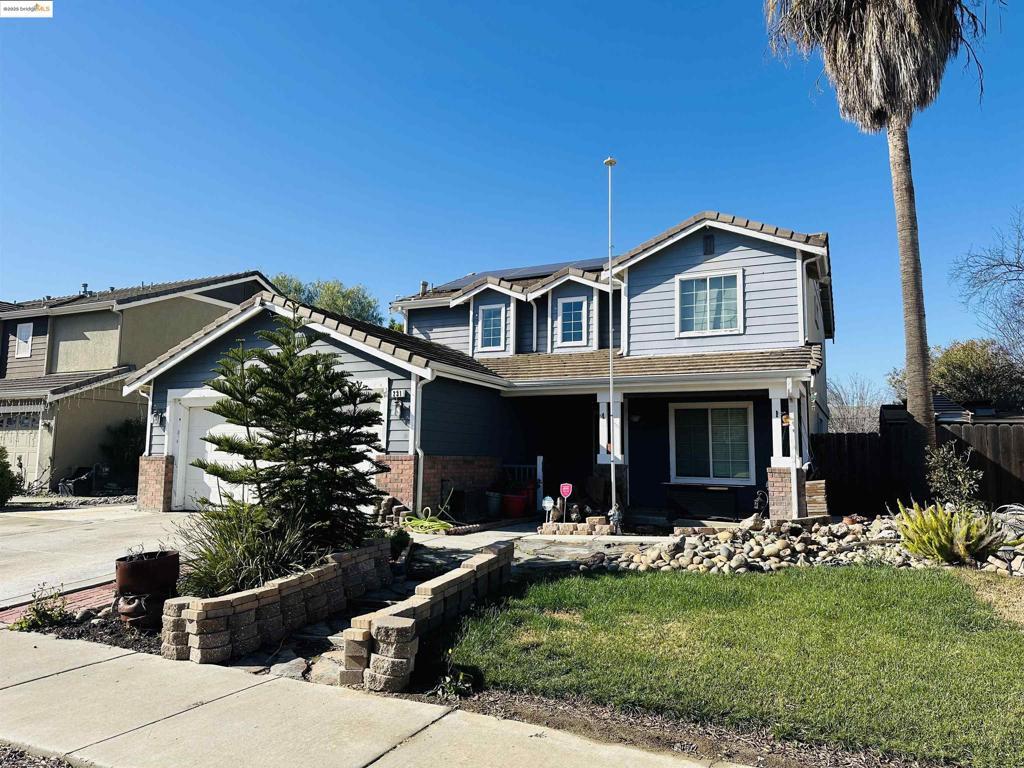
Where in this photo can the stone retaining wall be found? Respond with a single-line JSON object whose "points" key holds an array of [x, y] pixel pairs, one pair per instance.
{"points": [[594, 526], [380, 648], [216, 629]]}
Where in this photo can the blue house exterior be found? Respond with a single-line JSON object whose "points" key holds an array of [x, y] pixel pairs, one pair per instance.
{"points": [[718, 331]]}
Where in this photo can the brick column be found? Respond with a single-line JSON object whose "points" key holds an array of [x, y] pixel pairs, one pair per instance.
{"points": [[780, 497], [400, 482], [155, 477]]}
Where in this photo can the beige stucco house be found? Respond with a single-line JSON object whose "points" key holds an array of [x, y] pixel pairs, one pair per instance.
{"points": [[62, 361]]}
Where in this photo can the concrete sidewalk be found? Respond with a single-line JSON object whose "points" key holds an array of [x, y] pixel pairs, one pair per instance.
{"points": [[103, 706]]}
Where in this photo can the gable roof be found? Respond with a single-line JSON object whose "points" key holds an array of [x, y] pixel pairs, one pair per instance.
{"points": [[527, 280], [400, 348], [130, 295]]}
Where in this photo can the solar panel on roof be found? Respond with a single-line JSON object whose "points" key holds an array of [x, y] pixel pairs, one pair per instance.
{"points": [[520, 273]]}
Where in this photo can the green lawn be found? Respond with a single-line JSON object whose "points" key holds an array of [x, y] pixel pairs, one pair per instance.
{"points": [[910, 662]]}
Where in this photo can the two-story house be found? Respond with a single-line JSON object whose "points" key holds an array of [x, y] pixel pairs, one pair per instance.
{"points": [[717, 330], [63, 360]]}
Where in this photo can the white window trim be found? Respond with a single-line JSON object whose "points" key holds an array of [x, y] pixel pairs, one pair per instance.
{"points": [[673, 407], [558, 321], [480, 328], [738, 274], [23, 350]]}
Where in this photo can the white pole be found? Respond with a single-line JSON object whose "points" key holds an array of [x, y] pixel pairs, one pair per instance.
{"points": [[610, 163]]}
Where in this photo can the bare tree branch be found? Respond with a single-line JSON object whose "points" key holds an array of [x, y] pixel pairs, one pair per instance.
{"points": [[853, 404], [993, 282]]}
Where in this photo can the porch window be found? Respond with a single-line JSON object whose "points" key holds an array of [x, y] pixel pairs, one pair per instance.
{"points": [[492, 328], [712, 442], [572, 321], [710, 304]]}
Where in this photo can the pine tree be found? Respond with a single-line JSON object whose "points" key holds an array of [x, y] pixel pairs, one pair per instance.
{"points": [[308, 438]]}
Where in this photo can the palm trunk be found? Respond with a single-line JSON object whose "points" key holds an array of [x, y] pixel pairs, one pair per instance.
{"points": [[915, 332]]}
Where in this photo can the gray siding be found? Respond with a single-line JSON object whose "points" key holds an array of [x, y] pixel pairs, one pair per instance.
{"points": [[461, 419], [443, 325], [524, 327], [770, 295], [602, 319], [34, 364], [491, 298], [572, 290], [197, 370]]}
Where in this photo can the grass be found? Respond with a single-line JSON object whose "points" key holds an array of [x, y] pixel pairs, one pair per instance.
{"points": [[908, 662]]}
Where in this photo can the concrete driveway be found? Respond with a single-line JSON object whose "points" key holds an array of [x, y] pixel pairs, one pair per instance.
{"points": [[71, 547]]}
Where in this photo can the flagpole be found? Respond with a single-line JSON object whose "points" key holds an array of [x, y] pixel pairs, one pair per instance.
{"points": [[610, 163]]}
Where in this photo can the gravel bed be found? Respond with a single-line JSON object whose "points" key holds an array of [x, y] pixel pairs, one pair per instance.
{"points": [[12, 757]]}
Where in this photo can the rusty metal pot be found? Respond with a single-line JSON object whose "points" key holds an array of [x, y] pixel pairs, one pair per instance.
{"points": [[143, 582]]}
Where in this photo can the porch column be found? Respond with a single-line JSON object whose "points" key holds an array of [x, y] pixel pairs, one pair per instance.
{"points": [[609, 438]]}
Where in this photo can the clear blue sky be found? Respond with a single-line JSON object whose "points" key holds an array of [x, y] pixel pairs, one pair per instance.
{"points": [[384, 143]]}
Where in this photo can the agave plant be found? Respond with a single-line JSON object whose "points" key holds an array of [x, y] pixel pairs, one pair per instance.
{"points": [[949, 534]]}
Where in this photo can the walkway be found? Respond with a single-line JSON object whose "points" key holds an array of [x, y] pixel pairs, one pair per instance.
{"points": [[105, 706]]}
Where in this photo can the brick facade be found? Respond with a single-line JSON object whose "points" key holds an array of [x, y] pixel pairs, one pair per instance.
{"points": [[466, 473], [400, 482], [780, 496], [155, 476]]}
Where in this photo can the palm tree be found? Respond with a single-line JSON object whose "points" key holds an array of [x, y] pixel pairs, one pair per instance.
{"points": [[886, 59]]}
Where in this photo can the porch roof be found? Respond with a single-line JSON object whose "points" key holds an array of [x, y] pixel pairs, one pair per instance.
{"points": [[591, 365], [54, 386]]}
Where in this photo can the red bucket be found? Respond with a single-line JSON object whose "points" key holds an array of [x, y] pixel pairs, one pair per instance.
{"points": [[513, 505]]}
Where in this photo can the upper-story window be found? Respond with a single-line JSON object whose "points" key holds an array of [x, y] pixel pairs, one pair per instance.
{"points": [[572, 321], [23, 343], [709, 304], [491, 328]]}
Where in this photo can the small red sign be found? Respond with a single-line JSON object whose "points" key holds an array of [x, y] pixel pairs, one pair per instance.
{"points": [[565, 489]]}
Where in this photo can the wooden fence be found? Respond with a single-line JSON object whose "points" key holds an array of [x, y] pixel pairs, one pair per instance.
{"points": [[866, 472]]}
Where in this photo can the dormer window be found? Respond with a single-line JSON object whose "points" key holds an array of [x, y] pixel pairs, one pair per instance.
{"points": [[491, 328], [572, 321]]}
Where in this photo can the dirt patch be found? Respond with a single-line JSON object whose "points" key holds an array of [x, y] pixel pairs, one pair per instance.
{"points": [[658, 733], [1003, 593], [11, 757], [109, 632]]}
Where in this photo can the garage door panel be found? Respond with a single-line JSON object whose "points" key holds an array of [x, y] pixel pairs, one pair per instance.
{"points": [[199, 484]]}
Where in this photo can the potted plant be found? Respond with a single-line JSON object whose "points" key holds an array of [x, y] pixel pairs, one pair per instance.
{"points": [[143, 581]]}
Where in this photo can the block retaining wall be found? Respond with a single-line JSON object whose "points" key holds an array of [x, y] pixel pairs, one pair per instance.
{"points": [[380, 648], [216, 629], [594, 526]]}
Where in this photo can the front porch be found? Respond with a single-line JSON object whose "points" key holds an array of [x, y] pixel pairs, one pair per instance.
{"points": [[705, 454]]}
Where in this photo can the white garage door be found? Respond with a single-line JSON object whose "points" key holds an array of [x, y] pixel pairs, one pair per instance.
{"points": [[198, 484]]}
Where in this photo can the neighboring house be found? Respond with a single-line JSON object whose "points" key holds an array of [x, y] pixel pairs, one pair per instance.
{"points": [[718, 327], [63, 360]]}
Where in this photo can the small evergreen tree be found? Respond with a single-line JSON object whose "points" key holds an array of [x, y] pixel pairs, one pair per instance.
{"points": [[308, 435]]}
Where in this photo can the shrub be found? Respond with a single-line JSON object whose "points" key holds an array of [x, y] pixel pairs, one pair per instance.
{"points": [[308, 435], [398, 538], [950, 477], [239, 546], [47, 609], [11, 482], [949, 534]]}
